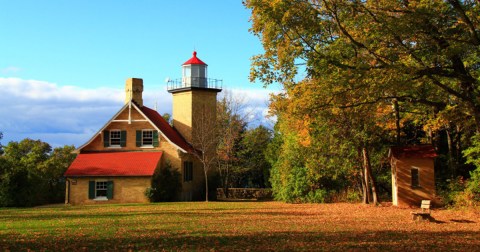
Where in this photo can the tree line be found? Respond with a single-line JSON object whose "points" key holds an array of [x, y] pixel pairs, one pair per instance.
{"points": [[361, 76], [31, 173]]}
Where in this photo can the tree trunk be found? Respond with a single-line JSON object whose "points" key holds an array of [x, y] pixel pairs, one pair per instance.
{"points": [[367, 184], [222, 176], [364, 180], [368, 170], [458, 146], [226, 180], [364, 188], [206, 183], [450, 151], [476, 116], [397, 120]]}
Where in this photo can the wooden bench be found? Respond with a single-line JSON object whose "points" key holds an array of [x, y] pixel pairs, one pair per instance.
{"points": [[425, 213]]}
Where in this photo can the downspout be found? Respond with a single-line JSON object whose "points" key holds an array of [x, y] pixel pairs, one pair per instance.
{"points": [[67, 193]]}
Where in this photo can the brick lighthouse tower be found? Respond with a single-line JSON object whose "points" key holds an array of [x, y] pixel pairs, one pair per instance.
{"points": [[194, 98]]}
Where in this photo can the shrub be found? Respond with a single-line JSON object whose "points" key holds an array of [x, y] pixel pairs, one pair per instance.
{"points": [[317, 196], [471, 194], [165, 184], [353, 196], [450, 191]]}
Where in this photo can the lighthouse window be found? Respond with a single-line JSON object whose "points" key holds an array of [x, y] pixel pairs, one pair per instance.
{"points": [[186, 71]]}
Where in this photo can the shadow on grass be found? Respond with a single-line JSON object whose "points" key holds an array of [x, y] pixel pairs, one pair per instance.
{"points": [[273, 241], [184, 214], [194, 212], [462, 221]]}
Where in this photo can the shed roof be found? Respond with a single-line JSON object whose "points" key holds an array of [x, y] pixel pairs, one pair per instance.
{"points": [[413, 151], [114, 164]]}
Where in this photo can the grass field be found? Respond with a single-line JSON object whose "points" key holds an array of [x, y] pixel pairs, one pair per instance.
{"points": [[230, 226]]}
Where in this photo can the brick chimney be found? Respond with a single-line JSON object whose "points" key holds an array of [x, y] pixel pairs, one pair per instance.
{"points": [[133, 91]]}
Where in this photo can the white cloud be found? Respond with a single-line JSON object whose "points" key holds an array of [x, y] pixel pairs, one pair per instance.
{"points": [[58, 114], [62, 115], [35, 90]]}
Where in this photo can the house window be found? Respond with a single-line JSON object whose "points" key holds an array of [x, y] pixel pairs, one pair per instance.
{"points": [[147, 137], [415, 177], [187, 171], [115, 137], [100, 189]]}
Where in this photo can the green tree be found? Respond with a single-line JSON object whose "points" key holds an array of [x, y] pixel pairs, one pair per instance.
{"points": [[1, 146], [252, 155], [32, 174], [53, 169], [165, 184], [231, 124], [167, 118], [22, 183]]}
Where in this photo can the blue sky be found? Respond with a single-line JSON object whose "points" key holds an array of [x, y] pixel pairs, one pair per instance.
{"points": [[63, 64]]}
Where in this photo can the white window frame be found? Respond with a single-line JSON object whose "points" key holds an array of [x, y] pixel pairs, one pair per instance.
{"points": [[119, 137], [104, 183], [143, 132]]}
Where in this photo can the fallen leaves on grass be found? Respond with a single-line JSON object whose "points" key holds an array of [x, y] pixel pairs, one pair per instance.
{"points": [[233, 226]]}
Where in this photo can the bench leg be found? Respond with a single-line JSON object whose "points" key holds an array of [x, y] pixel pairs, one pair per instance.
{"points": [[421, 217]]}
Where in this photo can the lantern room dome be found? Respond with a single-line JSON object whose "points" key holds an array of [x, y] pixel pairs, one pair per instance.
{"points": [[194, 60]]}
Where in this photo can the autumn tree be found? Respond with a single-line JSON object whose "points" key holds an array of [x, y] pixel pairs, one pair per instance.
{"points": [[420, 57], [414, 51], [325, 151], [204, 142]]}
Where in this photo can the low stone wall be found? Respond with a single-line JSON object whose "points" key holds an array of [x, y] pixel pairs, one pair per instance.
{"points": [[245, 194]]}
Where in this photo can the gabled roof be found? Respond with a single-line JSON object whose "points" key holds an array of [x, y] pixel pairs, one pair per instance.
{"points": [[114, 164], [414, 151], [194, 60], [168, 131], [157, 121]]}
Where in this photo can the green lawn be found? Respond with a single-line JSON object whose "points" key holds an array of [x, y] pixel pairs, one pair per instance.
{"points": [[228, 226]]}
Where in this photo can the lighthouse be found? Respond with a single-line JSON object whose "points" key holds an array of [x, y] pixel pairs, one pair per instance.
{"points": [[194, 98]]}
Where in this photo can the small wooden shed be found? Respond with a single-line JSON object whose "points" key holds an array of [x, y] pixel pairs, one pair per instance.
{"points": [[413, 174]]}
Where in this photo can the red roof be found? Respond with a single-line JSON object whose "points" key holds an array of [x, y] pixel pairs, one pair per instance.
{"points": [[114, 164], [194, 60], [166, 129], [414, 151]]}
